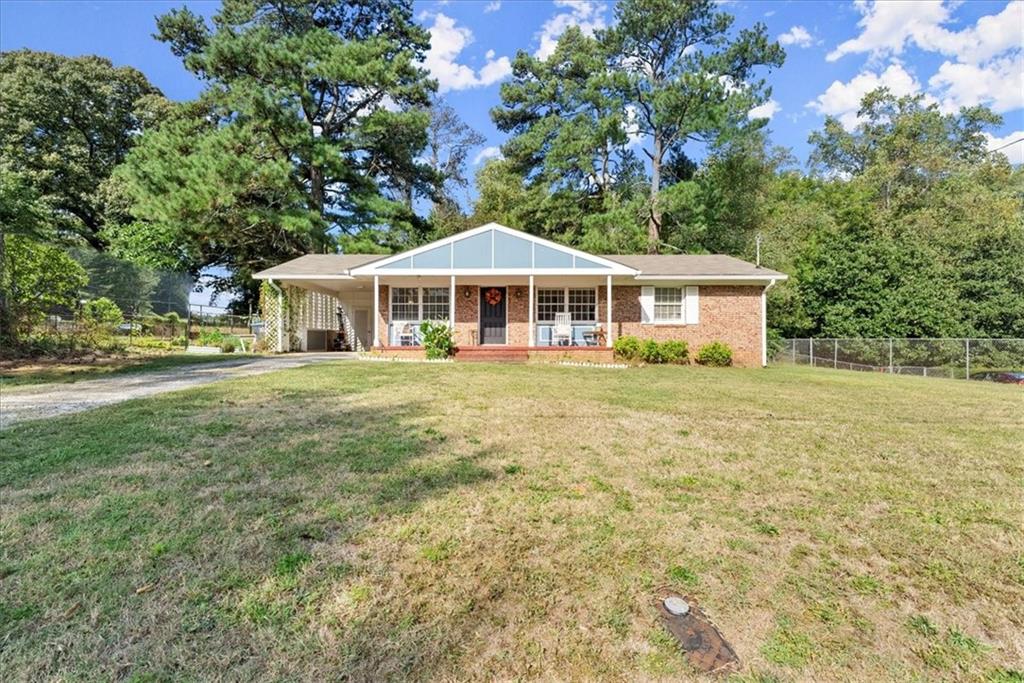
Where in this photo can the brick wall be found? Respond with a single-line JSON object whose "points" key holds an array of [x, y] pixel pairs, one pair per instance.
{"points": [[728, 313], [518, 316], [467, 312]]}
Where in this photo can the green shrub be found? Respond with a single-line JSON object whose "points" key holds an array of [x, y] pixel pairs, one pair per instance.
{"points": [[227, 347], [627, 348], [102, 311], [715, 354], [437, 339], [673, 351], [775, 342], [210, 338], [650, 352]]}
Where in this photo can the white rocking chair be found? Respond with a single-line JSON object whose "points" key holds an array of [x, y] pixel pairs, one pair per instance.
{"points": [[562, 329], [407, 335]]}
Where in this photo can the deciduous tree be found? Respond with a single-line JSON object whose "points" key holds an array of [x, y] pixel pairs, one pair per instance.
{"points": [[65, 124]]}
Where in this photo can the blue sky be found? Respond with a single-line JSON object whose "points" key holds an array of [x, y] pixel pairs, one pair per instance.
{"points": [[956, 53]]}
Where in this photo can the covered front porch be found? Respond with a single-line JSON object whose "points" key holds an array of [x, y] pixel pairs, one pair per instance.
{"points": [[523, 311]]}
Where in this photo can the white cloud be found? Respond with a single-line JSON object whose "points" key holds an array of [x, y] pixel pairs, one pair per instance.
{"points": [[765, 111], [985, 65], [589, 16], [999, 84], [842, 100], [485, 154], [798, 36], [495, 70], [1015, 151], [631, 125], [492, 6], [447, 41], [887, 27]]}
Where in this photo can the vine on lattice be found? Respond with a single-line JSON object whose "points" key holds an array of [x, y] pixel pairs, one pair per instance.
{"points": [[295, 299], [270, 312]]}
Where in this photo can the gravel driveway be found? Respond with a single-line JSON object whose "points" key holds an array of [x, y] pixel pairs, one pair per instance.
{"points": [[50, 400]]}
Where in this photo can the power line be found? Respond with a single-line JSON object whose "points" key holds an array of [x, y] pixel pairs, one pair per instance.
{"points": [[1007, 145]]}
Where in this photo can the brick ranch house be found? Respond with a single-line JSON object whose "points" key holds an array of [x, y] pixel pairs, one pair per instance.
{"points": [[511, 295]]}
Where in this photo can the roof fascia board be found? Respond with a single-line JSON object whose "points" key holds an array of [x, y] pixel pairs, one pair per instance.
{"points": [[267, 275], [730, 278]]}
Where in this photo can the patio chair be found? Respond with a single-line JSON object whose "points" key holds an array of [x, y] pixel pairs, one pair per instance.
{"points": [[407, 335], [562, 329]]}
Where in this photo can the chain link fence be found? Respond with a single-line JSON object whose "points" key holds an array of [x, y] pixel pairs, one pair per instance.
{"points": [[948, 357], [199, 326]]}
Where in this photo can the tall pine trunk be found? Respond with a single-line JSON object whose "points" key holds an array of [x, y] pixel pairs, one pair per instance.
{"points": [[654, 220], [317, 190]]}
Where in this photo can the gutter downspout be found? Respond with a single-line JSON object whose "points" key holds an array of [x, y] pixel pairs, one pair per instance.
{"points": [[280, 314], [764, 323]]}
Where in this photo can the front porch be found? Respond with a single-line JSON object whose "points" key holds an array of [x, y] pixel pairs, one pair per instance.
{"points": [[530, 312]]}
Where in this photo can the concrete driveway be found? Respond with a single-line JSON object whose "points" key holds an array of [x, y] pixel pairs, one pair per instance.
{"points": [[50, 400]]}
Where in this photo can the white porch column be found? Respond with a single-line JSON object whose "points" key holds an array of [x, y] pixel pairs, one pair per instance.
{"points": [[608, 331], [529, 301], [451, 305], [376, 310]]}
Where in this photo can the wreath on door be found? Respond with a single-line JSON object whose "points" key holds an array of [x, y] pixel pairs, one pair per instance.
{"points": [[493, 296]]}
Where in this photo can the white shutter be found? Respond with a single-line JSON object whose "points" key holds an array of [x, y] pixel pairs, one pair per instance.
{"points": [[647, 305], [692, 306]]}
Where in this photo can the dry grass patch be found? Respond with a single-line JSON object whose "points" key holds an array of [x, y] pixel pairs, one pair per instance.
{"points": [[377, 521]]}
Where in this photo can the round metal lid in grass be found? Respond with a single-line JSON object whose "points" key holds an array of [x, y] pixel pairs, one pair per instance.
{"points": [[676, 606]]}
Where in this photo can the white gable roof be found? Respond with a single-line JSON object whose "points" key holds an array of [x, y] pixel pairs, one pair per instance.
{"points": [[493, 249]]}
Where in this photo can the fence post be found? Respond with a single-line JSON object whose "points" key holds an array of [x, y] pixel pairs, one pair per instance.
{"points": [[812, 351], [188, 323], [794, 350], [835, 354], [967, 372], [890, 355]]}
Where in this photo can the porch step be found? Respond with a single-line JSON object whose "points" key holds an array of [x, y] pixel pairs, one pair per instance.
{"points": [[491, 354]]}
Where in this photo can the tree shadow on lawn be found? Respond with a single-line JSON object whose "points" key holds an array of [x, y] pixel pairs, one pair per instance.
{"points": [[178, 539]]}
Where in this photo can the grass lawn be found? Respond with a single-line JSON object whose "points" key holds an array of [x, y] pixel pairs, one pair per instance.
{"points": [[46, 373], [375, 521]]}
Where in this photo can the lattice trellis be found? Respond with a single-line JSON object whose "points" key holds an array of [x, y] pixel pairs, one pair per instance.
{"points": [[270, 312], [274, 317]]}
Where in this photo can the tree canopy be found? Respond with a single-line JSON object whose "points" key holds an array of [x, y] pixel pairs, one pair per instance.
{"points": [[308, 132], [665, 74], [318, 130], [65, 124]]}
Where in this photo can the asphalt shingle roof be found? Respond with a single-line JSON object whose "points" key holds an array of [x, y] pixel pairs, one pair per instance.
{"points": [[669, 265]]}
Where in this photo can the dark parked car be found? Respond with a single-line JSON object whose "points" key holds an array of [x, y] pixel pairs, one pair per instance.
{"points": [[1003, 377]]}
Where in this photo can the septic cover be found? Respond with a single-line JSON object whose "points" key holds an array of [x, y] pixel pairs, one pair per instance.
{"points": [[705, 647]]}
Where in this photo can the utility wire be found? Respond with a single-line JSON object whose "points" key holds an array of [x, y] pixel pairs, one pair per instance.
{"points": [[1007, 145]]}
